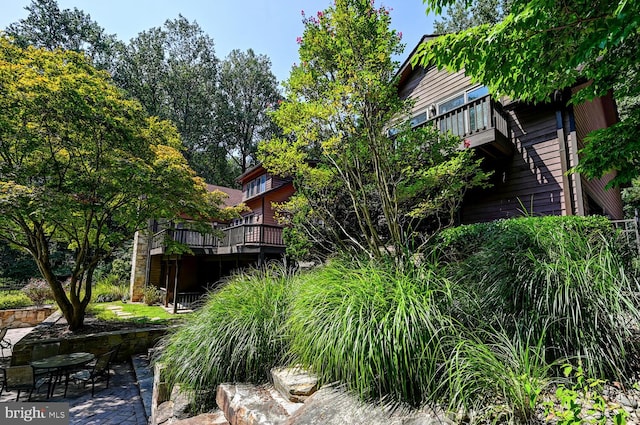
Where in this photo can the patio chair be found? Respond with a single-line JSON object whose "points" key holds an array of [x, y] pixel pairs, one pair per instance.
{"points": [[20, 378], [5, 344], [100, 370]]}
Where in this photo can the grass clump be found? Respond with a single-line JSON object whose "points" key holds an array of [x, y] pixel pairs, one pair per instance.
{"points": [[237, 336], [14, 299], [372, 326], [110, 288], [560, 278]]}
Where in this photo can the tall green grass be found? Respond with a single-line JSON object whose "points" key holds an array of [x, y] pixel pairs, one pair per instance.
{"points": [[238, 335], [561, 277], [373, 327]]}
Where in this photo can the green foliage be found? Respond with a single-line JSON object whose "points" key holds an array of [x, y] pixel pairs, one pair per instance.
{"points": [[373, 327], [247, 90], [541, 47], [464, 14], [560, 277], [152, 295], [110, 288], [14, 299], [582, 403], [358, 187], [83, 166], [139, 313], [38, 291], [243, 323], [172, 70], [50, 28]]}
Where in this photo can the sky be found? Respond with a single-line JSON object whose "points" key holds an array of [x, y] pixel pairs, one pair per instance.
{"points": [[269, 27]]}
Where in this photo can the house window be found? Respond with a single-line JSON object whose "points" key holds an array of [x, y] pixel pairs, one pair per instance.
{"points": [[419, 119], [468, 119], [256, 186]]}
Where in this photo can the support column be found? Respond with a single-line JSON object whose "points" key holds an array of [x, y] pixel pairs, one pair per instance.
{"points": [[139, 266]]}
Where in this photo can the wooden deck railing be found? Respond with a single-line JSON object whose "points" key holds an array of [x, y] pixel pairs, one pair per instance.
{"points": [[472, 117], [629, 229], [243, 235]]}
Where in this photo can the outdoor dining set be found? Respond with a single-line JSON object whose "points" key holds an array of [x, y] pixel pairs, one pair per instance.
{"points": [[48, 367]]}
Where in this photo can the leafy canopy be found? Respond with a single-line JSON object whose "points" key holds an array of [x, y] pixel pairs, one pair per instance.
{"points": [[82, 165], [542, 46], [357, 187]]}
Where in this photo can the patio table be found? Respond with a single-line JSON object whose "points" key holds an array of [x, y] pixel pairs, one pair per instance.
{"points": [[62, 364]]}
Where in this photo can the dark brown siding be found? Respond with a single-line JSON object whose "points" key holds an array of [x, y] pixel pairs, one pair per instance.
{"points": [[529, 182], [591, 116]]}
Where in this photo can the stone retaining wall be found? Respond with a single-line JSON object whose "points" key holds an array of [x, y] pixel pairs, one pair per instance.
{"points": [[132, 342], [25, 317]]}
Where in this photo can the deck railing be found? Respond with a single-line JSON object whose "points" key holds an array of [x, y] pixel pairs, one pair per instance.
{"points": [[243, 235], [629, 229], [472, 117]]}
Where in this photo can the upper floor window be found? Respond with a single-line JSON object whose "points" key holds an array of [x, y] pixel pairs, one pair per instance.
{"points": [[256, 186], [462, 98]]}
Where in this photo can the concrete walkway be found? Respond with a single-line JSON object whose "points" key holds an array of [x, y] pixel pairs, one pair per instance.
{"points": [[120, 404]]}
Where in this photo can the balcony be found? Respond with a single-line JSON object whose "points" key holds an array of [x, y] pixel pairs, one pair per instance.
{"points": [[482, 124], [243, 238]]}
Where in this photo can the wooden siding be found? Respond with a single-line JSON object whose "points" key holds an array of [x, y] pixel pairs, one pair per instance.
{"points": [[590, 116], [432, 86], [529, 182], [276, 196]]}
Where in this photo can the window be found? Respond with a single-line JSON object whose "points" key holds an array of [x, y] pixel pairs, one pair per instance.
{"points": [[419, 119], [256, 186], [466, 120]]}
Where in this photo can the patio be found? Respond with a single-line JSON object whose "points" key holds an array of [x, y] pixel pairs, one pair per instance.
{"points": [[121, 403]]}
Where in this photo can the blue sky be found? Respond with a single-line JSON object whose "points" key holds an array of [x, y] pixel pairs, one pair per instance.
{"points": [[269, 27]]}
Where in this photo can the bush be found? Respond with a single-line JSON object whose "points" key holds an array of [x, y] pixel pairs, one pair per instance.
{"points": [[152, 295], [110, 289], [237, 336], [14, 299], [374, 327], [561, 277], [38, 291]]}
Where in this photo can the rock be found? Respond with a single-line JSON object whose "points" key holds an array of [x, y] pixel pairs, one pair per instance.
{"points": [[294, 384], [245, 404], [163, 413], [627, 401], [332, 406], [216, 418], [181, 403]]}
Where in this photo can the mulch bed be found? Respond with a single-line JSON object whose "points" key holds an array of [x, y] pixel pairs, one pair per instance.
{"points": [[91, 326]]}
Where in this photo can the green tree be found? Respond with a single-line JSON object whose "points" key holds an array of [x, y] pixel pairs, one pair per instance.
{"points": [[463, 14], [247, 89], [83, 166], [367, 190], [49, 27], [545, 46], [172, 70]]}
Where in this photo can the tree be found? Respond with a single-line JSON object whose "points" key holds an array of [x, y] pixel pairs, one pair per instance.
{"points": [[463, 14], [83, 166], [541, 47], [356, 184], [172, 71], [247, 89], [49, 27]]}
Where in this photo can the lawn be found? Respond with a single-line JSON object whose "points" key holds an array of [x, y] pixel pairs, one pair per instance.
{"points": [[140, 313]]}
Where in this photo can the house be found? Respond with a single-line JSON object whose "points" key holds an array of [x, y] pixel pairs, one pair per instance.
{"points": [[251, 239], [529, 147]]}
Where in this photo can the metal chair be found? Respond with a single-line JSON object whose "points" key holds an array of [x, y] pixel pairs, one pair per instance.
{"points": [[5, 343], [100, 370], [20, 378]]}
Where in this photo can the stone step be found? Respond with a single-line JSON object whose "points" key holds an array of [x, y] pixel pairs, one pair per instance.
{"points": [[246, 404], [294, 383]]}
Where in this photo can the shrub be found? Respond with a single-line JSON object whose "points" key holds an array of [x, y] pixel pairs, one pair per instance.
{"points": [[110, 289], [14, 299], [374, 327], [563, 277], [152, 295], [38, 291], [243, 324]]}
